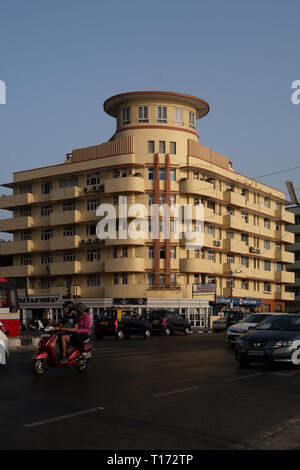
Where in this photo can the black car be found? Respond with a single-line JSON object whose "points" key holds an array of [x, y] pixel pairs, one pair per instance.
{"points": [[235, 317], [167, 322], [121, 323], [276, 339]]}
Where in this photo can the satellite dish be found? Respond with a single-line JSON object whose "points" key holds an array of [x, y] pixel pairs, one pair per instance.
{"points": [[292, 192]]}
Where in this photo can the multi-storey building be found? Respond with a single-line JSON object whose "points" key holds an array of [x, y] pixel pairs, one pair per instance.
{"points": [[154, 157], [295, 268]]}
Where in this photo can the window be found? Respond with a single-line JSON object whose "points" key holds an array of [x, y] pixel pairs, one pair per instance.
{"points": [[116, 279], [46, 258], [266, 222], [267, 287], [256, 263], [178, 116], [46, 188], [126, 116], [93, 281], [151, 199], [25, 260], [267, 307], [92, 204], [46, 234], [173, 252], [162, 279], [93, 179], [68, 231], [229, 235], [230, 258], [93, 255], [116, 174], [173, 148], [267, 265], [124, 252], [115, 252], [192, 120], [278, 267], [25, 235], [267, 244], [91, 229], [162, 146], [68, 206], [150, 173], [172, 279], [25, 212], [229, 210], [211, 230], [68, 182], [278, 226], [278, 206], [161, 115], [151, 279], [25, 188], [245, 284], [162, 252], [143, 114], [151, 146], [211, 205], [124, 278], [46, 210], [267, 202], [45, 283], [172, 200], [245, 238], [211, 255], [245, 261], [162, 174], [245, 217], [68, 257]]}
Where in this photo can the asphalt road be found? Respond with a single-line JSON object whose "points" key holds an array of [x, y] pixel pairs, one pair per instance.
{"points": [[179, 393]]}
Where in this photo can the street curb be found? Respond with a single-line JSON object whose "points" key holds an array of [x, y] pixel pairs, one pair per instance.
{"points": [[22, 342]]}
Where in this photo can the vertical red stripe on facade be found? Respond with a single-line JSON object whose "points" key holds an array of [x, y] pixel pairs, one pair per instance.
{"points": [[157, 229], [168, 225]]}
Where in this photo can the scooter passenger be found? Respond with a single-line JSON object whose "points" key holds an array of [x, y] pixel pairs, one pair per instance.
{"points": [[70, 326]]}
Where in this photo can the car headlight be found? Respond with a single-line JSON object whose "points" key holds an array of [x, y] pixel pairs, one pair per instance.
{"points": [[283, 344]]}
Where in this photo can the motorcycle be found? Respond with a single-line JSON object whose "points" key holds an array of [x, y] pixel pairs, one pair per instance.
{"points": [[49, 348]]}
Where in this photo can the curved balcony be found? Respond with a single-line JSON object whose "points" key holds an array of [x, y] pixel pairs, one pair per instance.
{"points": [[196, 265], [16, 200], [195, 186], [124, 265], [135, 184], [11, 248]]}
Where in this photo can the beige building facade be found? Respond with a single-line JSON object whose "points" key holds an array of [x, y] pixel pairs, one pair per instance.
{"points": [[154, 157]]}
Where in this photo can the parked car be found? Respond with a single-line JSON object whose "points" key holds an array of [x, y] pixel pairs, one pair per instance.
{"points": [[121, 323], [219, 324], [276, 339], [167, 322], [235, 317], [251, 321], [4, 350]]}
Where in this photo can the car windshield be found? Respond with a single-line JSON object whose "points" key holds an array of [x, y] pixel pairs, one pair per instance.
{"points": [[287, 323], [107, 314], [255, 318]]}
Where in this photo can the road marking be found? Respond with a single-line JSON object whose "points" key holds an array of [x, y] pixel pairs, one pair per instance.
{"points": [[244, 377], [59, 418], [289, 373], [174, 391]]}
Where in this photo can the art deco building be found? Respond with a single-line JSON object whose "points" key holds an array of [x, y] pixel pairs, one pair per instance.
{"points": [[154, 157]]}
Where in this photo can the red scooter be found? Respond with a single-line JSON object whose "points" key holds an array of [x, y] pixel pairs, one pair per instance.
{"points": [[48, 349]]}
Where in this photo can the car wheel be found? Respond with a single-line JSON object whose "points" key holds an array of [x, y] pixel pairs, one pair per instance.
{"points": [[186, 331], [168, 331], [120, 334], [147, 333]]}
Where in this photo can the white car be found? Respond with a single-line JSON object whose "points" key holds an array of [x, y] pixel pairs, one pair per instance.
{"points": [[4, 351], [251, 321]]}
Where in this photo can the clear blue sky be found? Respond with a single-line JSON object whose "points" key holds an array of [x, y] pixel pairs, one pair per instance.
{"points": [[61, 59]]}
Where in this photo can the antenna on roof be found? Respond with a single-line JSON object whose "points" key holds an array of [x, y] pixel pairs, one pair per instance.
{"points": [[292, 192]]}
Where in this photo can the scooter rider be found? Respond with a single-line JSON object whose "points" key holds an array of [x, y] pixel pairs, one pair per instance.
{"points": [[70, 326], [83, 331]]}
